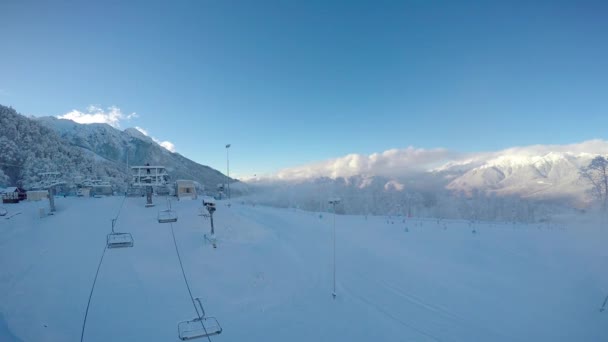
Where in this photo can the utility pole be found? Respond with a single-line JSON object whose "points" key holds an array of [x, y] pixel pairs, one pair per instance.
{"points": [[333, 202], [228, 169]]}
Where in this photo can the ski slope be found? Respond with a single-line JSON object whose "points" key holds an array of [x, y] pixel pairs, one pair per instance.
{"points": [[270, 279]]}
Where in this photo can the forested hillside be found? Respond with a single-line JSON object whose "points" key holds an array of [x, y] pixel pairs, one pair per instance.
{"points": [[28, 148]]}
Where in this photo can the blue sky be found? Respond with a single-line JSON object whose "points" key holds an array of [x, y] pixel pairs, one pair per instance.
{"points": [[291, 82]]}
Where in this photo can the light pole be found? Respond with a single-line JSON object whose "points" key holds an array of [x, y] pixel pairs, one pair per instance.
{"points": [[228, 169], [333, 202]]}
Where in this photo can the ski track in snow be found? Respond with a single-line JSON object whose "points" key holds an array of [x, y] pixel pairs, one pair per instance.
{"points": [[270, 278]]}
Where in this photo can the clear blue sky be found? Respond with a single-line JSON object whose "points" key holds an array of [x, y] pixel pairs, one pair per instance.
{"points": [[290, 82]]}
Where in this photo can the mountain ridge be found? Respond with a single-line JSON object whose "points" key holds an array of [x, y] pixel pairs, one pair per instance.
{"points": [[88, 150]]}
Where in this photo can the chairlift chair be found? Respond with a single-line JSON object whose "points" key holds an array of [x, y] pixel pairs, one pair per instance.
{"points": [[198, 327], [168, 215], [118, 240]]}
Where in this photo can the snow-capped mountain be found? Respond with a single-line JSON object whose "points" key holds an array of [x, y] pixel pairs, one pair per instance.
{"points": [[545, 176], [540, 172], [133, 147], [30, 146]]}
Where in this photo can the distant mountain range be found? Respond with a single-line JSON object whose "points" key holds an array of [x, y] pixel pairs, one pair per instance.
{"points": [[34, 145], [546, 173], [551, 175]]}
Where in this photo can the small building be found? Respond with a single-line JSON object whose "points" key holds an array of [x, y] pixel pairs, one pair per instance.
{"points": [[37, 195], [13, 195], [185, 189], [84, 192]]}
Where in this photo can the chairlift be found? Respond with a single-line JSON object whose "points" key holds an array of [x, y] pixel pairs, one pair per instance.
{"points": [[603, 308], [168, 215], [118, 240], [199, 327]]}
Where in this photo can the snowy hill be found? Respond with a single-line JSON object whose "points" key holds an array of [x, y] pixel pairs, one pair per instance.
{"points": [[113, 144], [552, 175], [77, 150], [28, 148], [386, 182], [270, 279]]}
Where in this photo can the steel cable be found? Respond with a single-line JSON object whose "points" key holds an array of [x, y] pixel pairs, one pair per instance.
{"points": [[188, 285]]}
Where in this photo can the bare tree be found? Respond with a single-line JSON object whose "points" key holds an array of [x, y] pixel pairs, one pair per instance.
{"points": [[597, 175]]}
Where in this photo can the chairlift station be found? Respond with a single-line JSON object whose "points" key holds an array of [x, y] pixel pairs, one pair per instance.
{"points": [[147, 175]]}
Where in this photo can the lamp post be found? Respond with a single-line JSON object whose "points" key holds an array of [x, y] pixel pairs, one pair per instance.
{"points": [[228, 169], [333, 202]]}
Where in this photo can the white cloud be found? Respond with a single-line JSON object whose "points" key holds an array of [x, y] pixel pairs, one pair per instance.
{"points": [[388, 163], [94, 114], [166, 144], [595, 146], [410, 160], [143, 131]]}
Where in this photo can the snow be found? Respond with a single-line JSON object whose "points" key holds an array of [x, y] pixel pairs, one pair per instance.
{"points": [[270, 278]]}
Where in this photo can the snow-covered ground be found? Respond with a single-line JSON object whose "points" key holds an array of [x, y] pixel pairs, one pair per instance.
{"points": [[270, 279]]}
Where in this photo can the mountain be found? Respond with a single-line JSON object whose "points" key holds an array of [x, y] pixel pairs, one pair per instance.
{"points": [[551, 175], [517, 183], [86, 151], [29, 148], [133, 147]]}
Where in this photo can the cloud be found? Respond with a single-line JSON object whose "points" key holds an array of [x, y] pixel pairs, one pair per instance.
{"points": [[166, 144], [388, 163], [595, 146], [143, 131], [410, 161], [94, 114]]}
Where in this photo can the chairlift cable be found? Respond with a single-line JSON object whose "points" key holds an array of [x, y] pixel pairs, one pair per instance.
{"points": [[120, 209], [86, 314], [604, 305], [181, 265]]}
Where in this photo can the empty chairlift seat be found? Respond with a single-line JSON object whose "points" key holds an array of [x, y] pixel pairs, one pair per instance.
{"points": [[118, 240], [199, 327], [167, 216]]}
